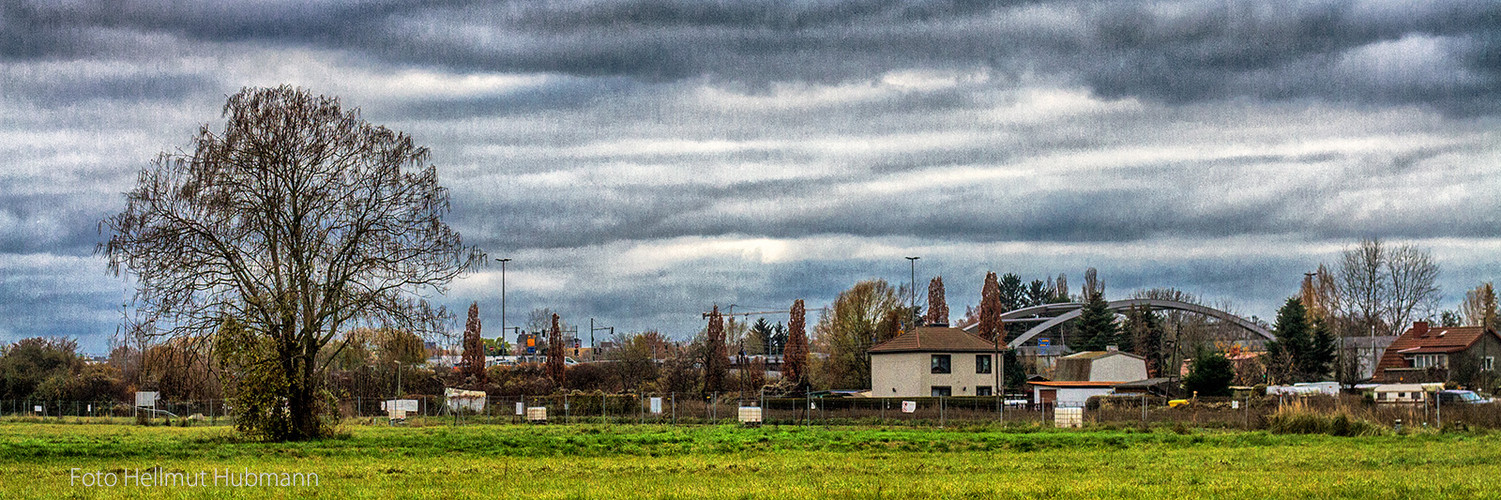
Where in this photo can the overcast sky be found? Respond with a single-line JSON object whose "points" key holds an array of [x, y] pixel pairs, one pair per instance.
{"points": [[642, 161]]}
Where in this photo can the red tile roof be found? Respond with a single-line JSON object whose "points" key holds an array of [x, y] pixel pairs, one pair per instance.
{"points": [[935, 339], [1422, 339]]}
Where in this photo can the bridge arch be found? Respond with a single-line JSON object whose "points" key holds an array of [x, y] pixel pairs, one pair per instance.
{"points": [[1070, 310]]}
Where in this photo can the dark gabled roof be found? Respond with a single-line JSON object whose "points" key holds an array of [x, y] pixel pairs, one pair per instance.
{"points": [[1423, 339], [935, 339]]}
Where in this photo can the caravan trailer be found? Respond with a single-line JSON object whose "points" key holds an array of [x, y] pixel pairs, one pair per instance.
{"points": [[1404, 393]]}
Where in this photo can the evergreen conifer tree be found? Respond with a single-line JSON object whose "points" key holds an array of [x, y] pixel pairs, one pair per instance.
{"points": [[1097, 328], [1289, 353], [1318, 362]]}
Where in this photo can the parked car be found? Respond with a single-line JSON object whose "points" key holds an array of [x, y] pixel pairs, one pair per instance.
{"points": [[1461, 397]]}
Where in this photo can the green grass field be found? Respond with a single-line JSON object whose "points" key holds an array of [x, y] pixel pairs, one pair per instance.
{"points": [[583, 461]]}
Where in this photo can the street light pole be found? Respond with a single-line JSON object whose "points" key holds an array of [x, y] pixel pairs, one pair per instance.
{"points": [[912, 314], [503, 296]]}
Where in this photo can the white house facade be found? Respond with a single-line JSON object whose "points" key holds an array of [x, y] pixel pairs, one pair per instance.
{"points": [[933, 361]]}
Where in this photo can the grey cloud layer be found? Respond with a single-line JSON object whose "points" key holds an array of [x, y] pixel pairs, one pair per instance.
{"points": [[572, 131], [1174, 51]]}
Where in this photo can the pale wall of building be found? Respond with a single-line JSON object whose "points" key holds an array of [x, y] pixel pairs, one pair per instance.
{"points": [[908, 375], [1118, 368], [1069, 397]]}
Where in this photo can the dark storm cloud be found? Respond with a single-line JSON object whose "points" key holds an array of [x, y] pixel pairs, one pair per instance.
{"points": [[1175, 52]]}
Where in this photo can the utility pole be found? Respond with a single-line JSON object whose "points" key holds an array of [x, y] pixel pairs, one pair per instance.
{"points": [[503, 296]]}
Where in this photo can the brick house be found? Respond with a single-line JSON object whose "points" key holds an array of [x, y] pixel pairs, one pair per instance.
{"points": [[1425, 354]]}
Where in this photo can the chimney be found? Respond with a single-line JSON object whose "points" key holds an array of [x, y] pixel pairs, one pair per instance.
{"points": [[1420, 328]]}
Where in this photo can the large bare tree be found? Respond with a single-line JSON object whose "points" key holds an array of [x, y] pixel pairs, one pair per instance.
{"points": [[1362, 285], [1381, 286], [1411, 285], [1479, 306], [294, 222]]}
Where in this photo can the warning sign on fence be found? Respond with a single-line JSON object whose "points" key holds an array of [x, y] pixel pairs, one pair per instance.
{"points": [[909, 406], [656, 406]]}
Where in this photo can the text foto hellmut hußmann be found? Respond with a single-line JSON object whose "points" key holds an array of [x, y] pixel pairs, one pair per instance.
{"points": [[156, 477]]}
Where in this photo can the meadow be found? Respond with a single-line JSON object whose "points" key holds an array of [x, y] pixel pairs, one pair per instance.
{"points": [[37, 460]]}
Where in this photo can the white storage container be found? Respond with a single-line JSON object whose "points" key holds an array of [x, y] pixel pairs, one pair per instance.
{"points": [[1068, 417], [750, 415]]}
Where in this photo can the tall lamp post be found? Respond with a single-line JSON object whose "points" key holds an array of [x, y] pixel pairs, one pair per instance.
{"points": [[503, 296], [912, 314]]}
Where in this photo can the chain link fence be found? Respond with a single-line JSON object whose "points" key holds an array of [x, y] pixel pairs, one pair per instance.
{"points": [[720, 408]]}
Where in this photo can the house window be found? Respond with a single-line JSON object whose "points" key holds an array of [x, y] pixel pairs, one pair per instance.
{"points": [[982, 363], [1488, 363], [1430, 361], [942, 390], [983, 390], [941, 364]]}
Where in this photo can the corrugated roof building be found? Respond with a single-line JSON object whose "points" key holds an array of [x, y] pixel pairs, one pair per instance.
{"points": [[1101, 366]]}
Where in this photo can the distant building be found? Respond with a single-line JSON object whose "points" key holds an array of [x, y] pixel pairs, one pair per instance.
{"points": [[1080, 376], [933, 361], [1366, 352], [1424, 354], [1069, 393], [1097, 366]]}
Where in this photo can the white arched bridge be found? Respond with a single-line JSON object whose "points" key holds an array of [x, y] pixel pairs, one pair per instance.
{"points": [[1051, 315]]}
